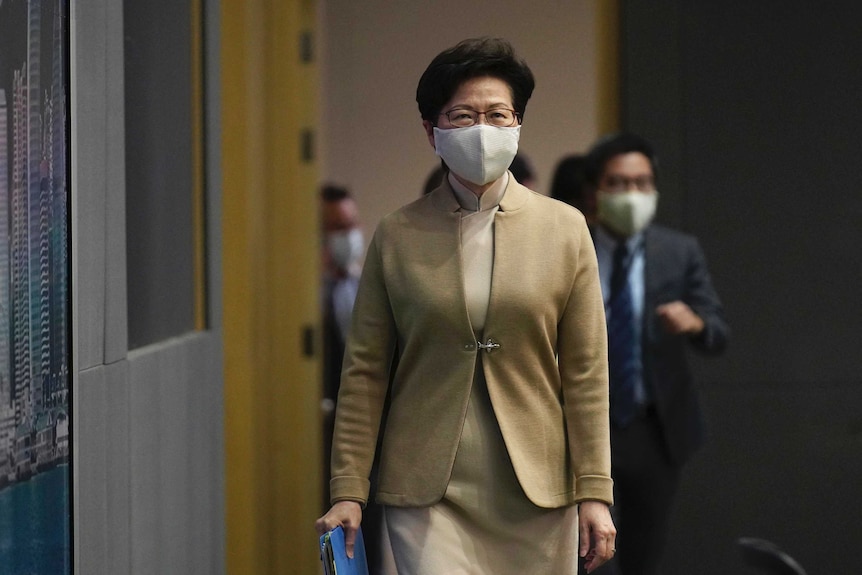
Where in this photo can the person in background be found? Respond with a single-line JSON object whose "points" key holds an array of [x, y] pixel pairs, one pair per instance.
{"points": [[523, 171], [659, 302], [496, 453], [567, 185], [343, 248]]}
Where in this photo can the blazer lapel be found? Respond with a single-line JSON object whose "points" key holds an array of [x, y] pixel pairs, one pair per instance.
{"points": [[506, 238], [443, 199]]}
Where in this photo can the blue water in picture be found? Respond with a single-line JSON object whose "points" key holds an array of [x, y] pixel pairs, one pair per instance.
{"points": [[34, 525]]}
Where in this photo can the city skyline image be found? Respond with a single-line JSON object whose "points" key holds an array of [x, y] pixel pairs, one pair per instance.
{"points": [[35, 307]]}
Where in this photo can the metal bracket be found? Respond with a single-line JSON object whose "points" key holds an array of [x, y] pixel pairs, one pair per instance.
{"points": [[489, 346]]}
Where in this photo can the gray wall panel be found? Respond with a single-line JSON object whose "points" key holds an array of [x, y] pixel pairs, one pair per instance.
{"points": [[176, 457], [206, 476], [145, 444], [149, 462], [212, 80], [118, 487], [148, 438], [207, 413], [90, 473], [159, 170], [116, 320], [175, 368], [89, 99], [102, 470]]}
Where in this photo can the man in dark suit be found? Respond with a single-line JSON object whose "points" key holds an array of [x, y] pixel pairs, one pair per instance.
{"points": [[659, 301], [343, 246]]}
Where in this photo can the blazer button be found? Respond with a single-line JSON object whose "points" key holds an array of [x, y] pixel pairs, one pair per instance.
{"points": [[469, 346]]}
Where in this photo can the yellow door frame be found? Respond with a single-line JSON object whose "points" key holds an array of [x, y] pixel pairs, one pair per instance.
{"points": [[270, 290], [608, 65]]}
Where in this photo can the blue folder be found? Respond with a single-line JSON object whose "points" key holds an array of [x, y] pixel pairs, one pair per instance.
{"points": [[333, 554]]}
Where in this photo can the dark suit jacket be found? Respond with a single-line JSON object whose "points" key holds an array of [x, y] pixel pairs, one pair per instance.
{"points": [[675, 269]]}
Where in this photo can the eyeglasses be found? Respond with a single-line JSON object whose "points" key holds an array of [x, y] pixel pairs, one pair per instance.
{"points": [[465, 117], [612, 183]]}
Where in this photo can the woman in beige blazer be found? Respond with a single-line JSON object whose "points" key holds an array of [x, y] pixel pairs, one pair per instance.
{"points": [[495, 457]]}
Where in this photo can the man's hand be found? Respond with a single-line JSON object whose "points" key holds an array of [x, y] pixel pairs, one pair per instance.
{"points": [[677, 318], [348, 514], [597, 534]]}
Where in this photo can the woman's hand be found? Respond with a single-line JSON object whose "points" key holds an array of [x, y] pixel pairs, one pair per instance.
{"points": [[348, 514], [597, 534]]}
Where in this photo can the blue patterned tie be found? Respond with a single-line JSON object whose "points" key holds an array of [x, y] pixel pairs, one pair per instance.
{"points": [[621, 341]]}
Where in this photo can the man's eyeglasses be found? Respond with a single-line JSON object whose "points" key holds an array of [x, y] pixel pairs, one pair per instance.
{"points": [[612, 183], [465, 117]]}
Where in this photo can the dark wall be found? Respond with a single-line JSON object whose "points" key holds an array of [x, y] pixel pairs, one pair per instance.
{"points": [[755, 110], [159, 178]]}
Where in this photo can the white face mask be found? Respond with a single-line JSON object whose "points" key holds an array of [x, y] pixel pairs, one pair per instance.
{"points": [[345, 248], [626, 213], [479, 154]]}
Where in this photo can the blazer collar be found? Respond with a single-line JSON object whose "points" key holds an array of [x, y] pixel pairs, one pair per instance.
{"points": [[516, 196]]}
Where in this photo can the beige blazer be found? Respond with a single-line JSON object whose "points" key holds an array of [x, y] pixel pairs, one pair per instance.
{"points": [[546, 367]]}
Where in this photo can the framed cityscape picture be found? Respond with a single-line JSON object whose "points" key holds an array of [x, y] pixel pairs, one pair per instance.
{"points": [[35, 289]]}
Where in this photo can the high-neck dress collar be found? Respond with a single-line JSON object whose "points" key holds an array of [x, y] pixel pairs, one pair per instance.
{"points": [[470, 202]]}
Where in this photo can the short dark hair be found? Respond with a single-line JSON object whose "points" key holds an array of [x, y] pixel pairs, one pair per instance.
{"points": [[333, 193], [522, 169], [613, 145], [469, 59]]}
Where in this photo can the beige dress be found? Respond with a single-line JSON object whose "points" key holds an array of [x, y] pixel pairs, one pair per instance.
{"points": [[484, 524]]}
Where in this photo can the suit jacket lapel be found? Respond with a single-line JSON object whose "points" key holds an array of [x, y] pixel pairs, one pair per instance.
{"points": [[652, 282]]}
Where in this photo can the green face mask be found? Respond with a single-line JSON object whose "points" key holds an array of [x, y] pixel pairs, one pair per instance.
{"points": [[626, 213]]}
